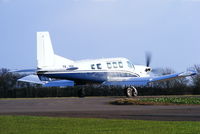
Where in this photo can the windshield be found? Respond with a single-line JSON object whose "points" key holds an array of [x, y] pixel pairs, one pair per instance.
{"points": [[130, 65]]}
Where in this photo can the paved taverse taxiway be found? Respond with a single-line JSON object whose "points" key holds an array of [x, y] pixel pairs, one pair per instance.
{"points": [[97, 107]]}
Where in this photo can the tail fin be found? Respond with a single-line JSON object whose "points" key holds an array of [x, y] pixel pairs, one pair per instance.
{"points": [[45, 52], [46, 59]]}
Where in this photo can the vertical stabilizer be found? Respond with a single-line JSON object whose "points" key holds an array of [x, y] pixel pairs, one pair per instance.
{"points": [[45, 53], [46, 59]]}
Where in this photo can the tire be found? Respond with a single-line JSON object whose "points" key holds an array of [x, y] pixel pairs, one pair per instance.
{"points": [[131, 92], [81, 92]]}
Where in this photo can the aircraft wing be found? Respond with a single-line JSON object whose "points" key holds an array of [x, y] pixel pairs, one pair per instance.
{"points": [[143, 81], [54, 83]]}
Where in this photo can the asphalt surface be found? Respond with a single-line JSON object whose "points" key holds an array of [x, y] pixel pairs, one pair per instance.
{"points": [[97, 107]]}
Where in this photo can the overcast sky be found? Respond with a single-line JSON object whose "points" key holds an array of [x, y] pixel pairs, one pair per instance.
{"points": [[79, 29]]}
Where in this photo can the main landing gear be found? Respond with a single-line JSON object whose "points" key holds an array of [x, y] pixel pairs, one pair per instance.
{"points": [[131, 91], [81, 92]]}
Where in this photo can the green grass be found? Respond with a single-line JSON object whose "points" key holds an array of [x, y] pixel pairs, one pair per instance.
{"points": [[51, 125], [158, 101], [174, 100]]}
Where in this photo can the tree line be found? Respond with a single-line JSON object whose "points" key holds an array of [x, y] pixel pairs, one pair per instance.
{"points": [[11, 88]]}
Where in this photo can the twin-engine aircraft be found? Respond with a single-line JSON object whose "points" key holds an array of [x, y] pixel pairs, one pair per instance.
{"points": [[54, 70]]}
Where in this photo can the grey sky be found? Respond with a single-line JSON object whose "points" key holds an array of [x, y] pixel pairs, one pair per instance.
{"points": [[80, 29]]}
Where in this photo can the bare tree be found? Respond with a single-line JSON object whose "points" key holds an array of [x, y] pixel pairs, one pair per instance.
{"points": [[8, 81], [196, 78]]}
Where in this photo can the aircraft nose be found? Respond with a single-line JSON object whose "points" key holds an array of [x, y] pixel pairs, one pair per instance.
{"points": [[148, 69]]}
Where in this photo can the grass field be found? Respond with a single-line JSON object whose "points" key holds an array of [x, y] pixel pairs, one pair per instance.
{"points": [[158, 101], [52, 125], [174, 100]]}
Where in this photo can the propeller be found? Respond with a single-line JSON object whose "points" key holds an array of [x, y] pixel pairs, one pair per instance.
{"points": [[148, 58]]}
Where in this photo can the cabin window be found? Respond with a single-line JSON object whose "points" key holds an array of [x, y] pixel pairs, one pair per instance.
{"points": [[92, 66], [99, 66], [120, 64], [115, 64], [109, 65]]}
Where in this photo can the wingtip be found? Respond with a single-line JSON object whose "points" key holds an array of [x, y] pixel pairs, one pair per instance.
{"points": [[188, 73]]}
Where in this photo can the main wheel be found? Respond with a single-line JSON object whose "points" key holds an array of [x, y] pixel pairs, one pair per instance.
{"points": [[81, 92], [131, 91]]}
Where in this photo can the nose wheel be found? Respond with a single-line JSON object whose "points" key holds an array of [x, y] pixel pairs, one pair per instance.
{"points": [[131, 91]]}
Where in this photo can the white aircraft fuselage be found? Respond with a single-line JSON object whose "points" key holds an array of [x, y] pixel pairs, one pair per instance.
{"points": [[97, 71]]}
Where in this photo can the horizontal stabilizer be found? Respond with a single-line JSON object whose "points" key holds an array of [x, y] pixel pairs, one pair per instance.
{"points": [[31, 79], [55, 83], [143, 81]]}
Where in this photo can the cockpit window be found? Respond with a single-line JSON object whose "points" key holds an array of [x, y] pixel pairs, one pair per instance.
{"points": [[129, 64], [120, 64], [115, 64], [109, 65], [64, 66]]}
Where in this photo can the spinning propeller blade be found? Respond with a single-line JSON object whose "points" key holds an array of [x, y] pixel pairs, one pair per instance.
{"points": [[148, 59]]}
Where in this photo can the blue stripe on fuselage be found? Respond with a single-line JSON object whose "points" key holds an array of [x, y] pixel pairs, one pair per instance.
{"points": [[96, 76]]}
